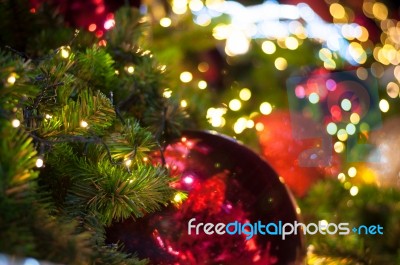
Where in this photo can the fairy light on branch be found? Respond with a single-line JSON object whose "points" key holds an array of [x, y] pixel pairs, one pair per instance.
{"points": [[186, 77], [39, 162], [110, 23], [165, 22], [15, 123], [184, 103], [130, 69], [12, 78], [84, 124], [128, 162], [65, 52]]}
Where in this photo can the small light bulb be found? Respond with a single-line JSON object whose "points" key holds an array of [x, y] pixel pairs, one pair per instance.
{"points": [[39, 162], [16, 123], [178, 198], [167, 93], [64, 53], [184, 103], [84, 124], [130, 69], [109, 24], [165, 22], [128, 162], [202, 84], [186, 77], [48, 116], [11, 79]]}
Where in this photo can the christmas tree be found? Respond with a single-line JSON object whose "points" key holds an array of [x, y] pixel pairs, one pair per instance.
{"points": [[78, 122], [82, 112]]}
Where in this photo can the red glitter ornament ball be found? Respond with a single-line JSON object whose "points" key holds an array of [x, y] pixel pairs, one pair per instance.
{"points": [[299, 149], [225, 182]]}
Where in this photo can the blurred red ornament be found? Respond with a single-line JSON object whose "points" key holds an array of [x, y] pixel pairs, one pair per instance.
{"points": [[225, 182], [299, 149]]}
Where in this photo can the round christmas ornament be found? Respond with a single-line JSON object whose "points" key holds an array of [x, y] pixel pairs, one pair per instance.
{"points": [[298, 149], [228, 186], [384, 159]]}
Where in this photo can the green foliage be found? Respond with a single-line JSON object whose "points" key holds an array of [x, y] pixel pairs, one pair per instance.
{"points": [[329, 200], [117, 194], [130, 28], [15, 167], [95, 68], [134, 142], [59, 213], [27, 228]]}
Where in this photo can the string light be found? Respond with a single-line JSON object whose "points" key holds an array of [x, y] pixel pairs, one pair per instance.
{"points": [[392, 89], [313, 98], [184, 103], [354, 191], [165, 22], [384, 105], [15, 123], [203, 67], [331, 128], [92, 27], [64, 52], [350, 129], [352, 172], [259, 127], [110, 23], [11, 79], [215, 116], [354, 118], [128, 162], [84, 124], [346, 104], [271, 20], [339, 147], [130, 69], [235, 104], [337, 11], [167, 93], [342, 135], [240, 125], [280, 63], [341, 177], [202, 84], [268, 47], [186, 77], [178, 198], [266, 108], [39, 163], [188, 179], [196, 5], [237, 43], [179, 7], [250, 124], [245, 94], [291, 43], [380, 11], [48, 116]]}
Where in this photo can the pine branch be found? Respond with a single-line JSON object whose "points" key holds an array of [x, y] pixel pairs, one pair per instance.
{"points": [[117, 194], [133, 142]]}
